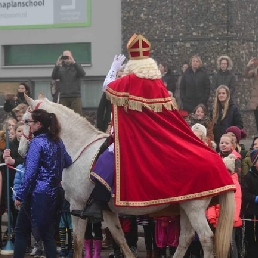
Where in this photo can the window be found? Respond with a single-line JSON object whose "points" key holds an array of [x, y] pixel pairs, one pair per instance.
{"points": [[44, 54], [42, 87], [91, 92]]}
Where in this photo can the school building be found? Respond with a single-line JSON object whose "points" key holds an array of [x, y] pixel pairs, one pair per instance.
{"points": [[34, 33]]}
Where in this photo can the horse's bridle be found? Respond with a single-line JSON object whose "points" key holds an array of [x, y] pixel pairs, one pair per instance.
{"points": [[29, 137]]}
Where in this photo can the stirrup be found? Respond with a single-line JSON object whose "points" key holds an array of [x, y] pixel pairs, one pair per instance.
{"points": [[79, 213], [93, 211]]}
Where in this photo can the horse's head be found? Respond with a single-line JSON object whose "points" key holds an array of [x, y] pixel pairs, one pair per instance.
{"points": [[27, 135]]}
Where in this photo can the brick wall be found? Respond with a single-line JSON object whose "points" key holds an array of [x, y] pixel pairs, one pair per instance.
{"points": [[179, 29]]}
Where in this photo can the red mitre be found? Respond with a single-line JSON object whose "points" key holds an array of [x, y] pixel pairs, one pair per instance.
{"points": [[138, 47]]}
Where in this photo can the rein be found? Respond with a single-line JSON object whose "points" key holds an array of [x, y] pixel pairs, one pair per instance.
{"points": [[29, 137], [88, 145]]}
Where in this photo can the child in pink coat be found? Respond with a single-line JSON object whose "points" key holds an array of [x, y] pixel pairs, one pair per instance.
{"points": [[213, 212]]}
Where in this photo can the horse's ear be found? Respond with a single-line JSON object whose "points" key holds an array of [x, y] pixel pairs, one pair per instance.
{"points": [[41, 96], [28, 99]]}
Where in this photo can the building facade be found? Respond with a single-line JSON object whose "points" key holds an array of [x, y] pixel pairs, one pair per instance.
{"points": [[34, 34]]}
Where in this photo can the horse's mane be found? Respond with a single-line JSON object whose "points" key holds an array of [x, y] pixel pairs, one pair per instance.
{"points": [[73, 117]]}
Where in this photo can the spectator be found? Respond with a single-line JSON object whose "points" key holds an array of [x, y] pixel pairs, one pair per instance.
{"points": [[40, 193], [104, 110], [69, 72], [226, 148], [250, 207], [11, 122], [237, 135], [251, 72], [225, 113], [149, 224], [167, 231], [129, 227], [201, 132], [200, 115], [167, 77], [224, 75], [55, 91], [93, 241], [65, 226], [195, 85], [12, 101], [177, 92], [19, 111], [12, 157], [246, 162], [213, 211]]}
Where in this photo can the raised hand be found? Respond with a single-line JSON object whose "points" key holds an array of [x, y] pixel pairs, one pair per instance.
{"points": [[117, 64], [251, 62], [59, 61]]}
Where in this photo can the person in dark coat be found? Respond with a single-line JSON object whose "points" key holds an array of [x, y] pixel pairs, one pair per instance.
{"points": [[250, 206], [178, 83], [69, 73], [103, 113], [167, 77], [12, 101], [224, 75], [225, 113], [195, 85]]}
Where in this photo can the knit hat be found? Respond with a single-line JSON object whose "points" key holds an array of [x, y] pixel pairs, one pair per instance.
{"points": [[200, 127], [254, 156], [239, 133]]}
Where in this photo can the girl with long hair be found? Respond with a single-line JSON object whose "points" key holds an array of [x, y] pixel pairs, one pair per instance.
{"points": [[225, 113]]}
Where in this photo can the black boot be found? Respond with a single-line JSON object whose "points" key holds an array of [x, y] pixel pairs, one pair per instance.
{"points": [[92, 211], [98, 201]]}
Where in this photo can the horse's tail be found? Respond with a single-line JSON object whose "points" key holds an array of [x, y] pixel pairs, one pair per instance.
{"points": [[224, 228]]}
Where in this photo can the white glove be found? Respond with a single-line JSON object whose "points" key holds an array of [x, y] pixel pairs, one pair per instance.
{"points": [[118, 62], [116, 66]]}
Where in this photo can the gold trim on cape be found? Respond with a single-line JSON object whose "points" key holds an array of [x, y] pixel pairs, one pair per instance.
{"points": [[137, 103], [101, 180], [117, 196]]}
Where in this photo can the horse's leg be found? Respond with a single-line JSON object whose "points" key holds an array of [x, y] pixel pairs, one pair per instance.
{"points": [[113, 223], [186, 235], [195, 211], [79, 227]]}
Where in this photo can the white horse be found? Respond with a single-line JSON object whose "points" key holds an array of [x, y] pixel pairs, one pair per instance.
{"points": [[82, 141]]}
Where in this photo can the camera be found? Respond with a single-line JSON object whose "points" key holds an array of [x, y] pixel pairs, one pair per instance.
{"points": [[64, 57]]}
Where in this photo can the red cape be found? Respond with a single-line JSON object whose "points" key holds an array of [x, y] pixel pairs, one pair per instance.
{"points": [[158, 159]]}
